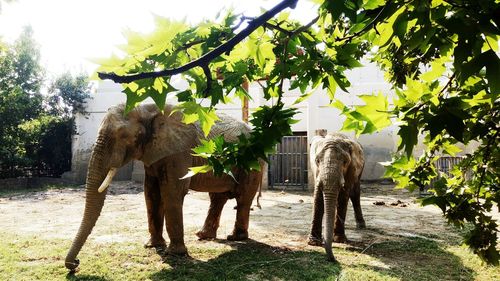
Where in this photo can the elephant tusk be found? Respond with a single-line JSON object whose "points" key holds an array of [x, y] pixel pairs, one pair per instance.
{"points": [[108, 179]]}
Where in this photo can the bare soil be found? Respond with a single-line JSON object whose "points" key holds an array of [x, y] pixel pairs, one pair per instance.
{"points": [[283, 221]]}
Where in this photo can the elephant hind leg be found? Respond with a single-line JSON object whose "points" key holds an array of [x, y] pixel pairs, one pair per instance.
{"points": [[240, 231], [247, 188], [217, 202], [339, 229]]}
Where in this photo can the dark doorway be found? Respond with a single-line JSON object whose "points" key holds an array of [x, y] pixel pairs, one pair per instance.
{"points": [[288, 167]]}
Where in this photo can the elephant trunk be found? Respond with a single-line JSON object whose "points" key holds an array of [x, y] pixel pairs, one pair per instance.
{"points": [[330, 195], [94, 200]]}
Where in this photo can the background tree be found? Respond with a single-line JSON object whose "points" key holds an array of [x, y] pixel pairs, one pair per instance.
{"points": [[21, 78], [67, 95], [35, 129], [441, 57]]}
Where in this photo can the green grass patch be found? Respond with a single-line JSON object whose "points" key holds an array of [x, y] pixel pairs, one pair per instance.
{"points": [[34, 258]]}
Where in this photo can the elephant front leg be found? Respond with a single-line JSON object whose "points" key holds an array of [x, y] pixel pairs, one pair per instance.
{"points": [[315, 237], [355, 195], [155, 212], [217, 202], [339, 229], [175, 227]]}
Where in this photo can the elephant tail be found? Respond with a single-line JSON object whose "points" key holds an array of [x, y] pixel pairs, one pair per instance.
{"points": [[259, 195]]}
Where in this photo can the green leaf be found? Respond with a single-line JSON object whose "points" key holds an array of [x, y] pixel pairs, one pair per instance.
{"points": [[184, 96], [450, 149], [372, 4], [133, 99], [439, 201], [386, 29], [332, 87], [196, 170], [303, 97], [409, 138], [206, 148], [254, 165], [414, 90], [158, 85], [493, 72], [479, 98], [491, 42], [376, 111], [437, 69], [264, 52], [207, 117]]}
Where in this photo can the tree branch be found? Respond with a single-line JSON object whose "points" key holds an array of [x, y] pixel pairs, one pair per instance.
{"points": [[206, 70], [364, 29], [208, 57], [305, 27]]}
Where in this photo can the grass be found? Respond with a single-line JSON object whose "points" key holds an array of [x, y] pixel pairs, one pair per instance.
{"points": [[436, 256], [33, 258]]}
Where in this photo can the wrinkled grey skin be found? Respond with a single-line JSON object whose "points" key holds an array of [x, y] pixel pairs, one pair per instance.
{"points": [[164, 144], [337, 163]]}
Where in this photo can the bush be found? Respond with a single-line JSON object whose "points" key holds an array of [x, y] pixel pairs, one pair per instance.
{"points": [[47, 145]]}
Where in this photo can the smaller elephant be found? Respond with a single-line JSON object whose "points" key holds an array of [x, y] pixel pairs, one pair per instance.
{"points": [[337, 163]]}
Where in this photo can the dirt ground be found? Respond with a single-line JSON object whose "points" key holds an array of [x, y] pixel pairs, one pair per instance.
{"points": [[284, 219]]}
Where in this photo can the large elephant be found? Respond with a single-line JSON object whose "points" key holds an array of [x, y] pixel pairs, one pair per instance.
{"points": [[337, 163], [164, 144]]}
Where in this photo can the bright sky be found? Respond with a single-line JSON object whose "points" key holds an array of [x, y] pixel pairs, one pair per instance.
{"points": [[72, 31]]}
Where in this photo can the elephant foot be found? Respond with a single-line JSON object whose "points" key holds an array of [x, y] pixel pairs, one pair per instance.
{"points": [[360, 224], [155, 243], [179, 250], [332, 259], [315, 241], [206, 235], [339, 238], [238, 235], [72, 266]]}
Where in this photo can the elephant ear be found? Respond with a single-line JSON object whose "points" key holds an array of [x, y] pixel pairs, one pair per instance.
{"points": [[169, 136], [357, 157], [316, 143]]}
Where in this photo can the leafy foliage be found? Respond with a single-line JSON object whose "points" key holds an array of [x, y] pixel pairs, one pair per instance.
{"points": [[441, 57], [67, 95], [47, 145], [21, 78], [36, 130]]}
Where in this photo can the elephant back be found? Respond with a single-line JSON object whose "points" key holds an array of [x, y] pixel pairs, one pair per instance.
{"points": [[229, 127]]}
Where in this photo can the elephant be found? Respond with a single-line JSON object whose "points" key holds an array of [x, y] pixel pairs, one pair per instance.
{"points": [[164, 144], [337, 163]]}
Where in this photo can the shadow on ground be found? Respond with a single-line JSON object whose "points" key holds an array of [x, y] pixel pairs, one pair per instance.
{"points": [[414, 258], [250, 260], [405, 259], [72, 276]]}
